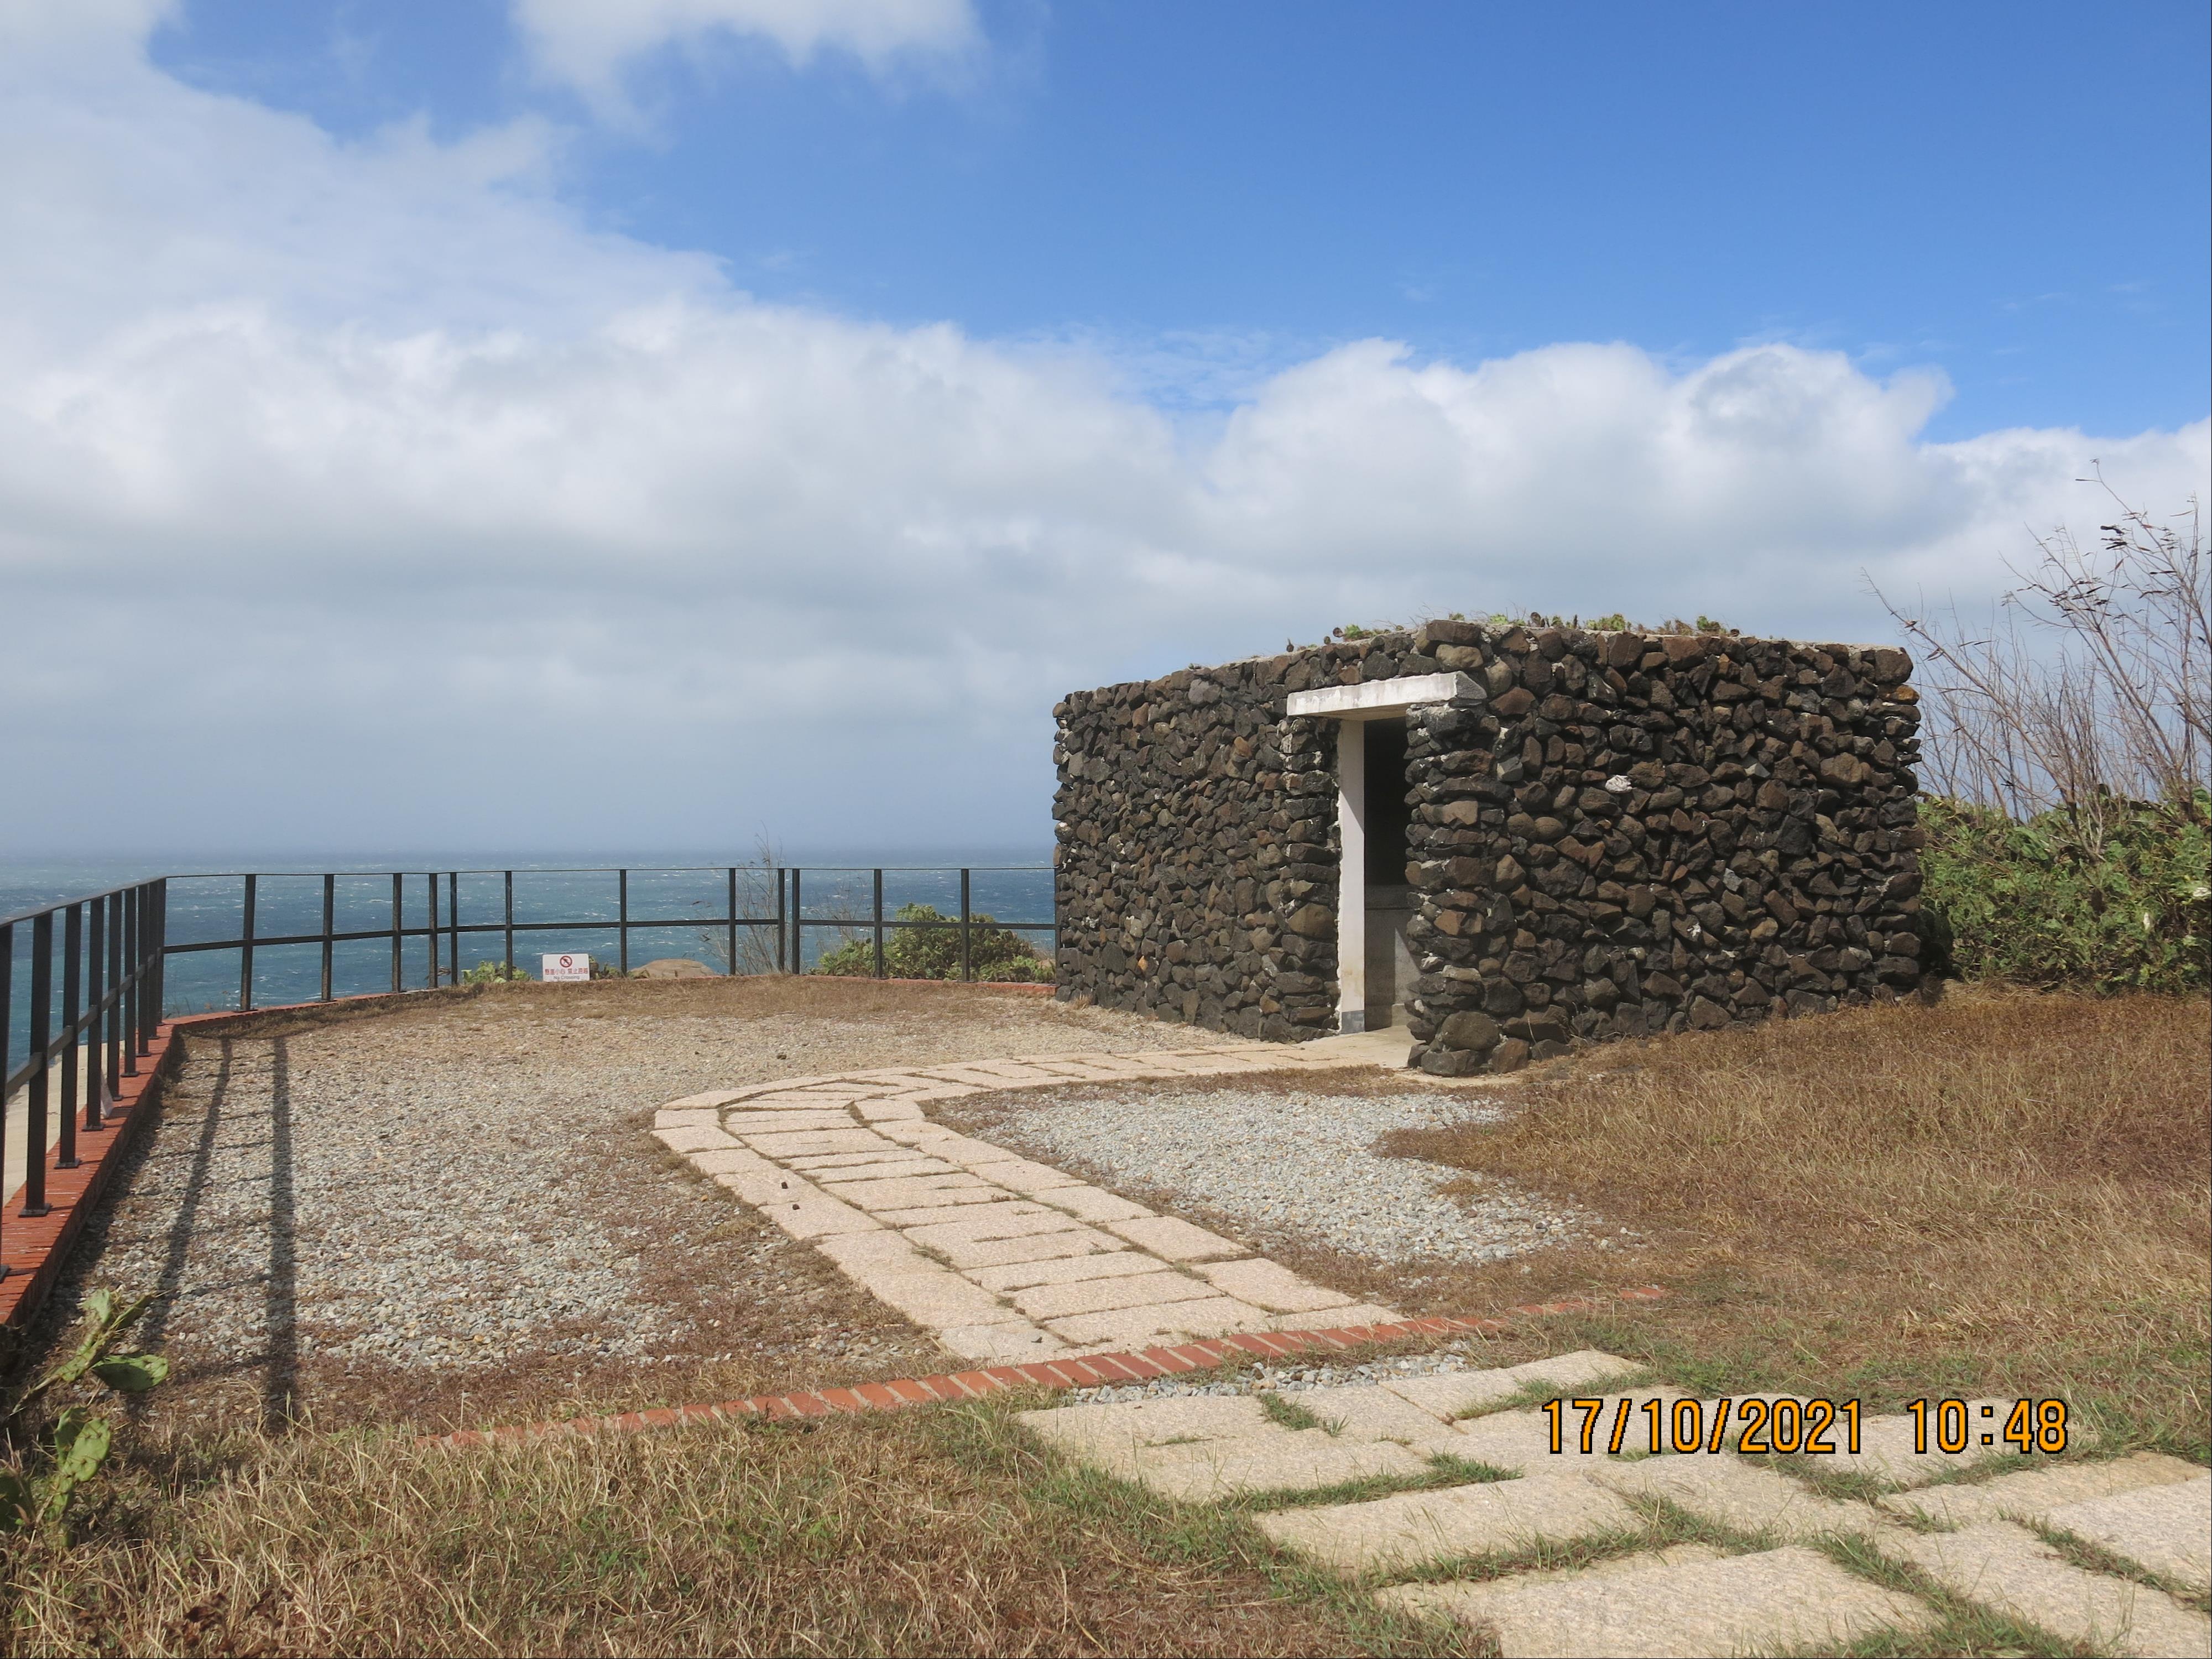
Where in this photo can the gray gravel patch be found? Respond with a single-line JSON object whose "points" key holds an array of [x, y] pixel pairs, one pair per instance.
{"points": [[1292, 1168], [450, 1191]]}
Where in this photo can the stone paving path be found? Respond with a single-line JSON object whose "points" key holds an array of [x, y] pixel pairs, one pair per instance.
{"points": [[1693, 1554], [1000, 1257]]}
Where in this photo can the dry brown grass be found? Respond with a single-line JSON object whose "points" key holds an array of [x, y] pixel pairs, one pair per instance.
{"points": [[926, 1532], [2005, 1192]]}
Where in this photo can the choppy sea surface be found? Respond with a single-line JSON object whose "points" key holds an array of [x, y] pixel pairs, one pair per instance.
{"points": [[686, 898]]}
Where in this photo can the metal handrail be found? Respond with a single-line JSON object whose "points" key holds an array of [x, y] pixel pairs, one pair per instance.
{"points": [[114, 945], [110, 998]]}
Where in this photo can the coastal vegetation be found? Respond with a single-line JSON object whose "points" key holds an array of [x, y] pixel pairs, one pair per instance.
{"points": [[927, 947]]}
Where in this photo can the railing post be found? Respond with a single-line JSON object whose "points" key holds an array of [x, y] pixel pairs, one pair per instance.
{"points": [[398, 963], [134, 926], [72, 1073], [734, 921], [157, 902], [6, 1045], [118, 969], [245, 951], [432, 877], [782, 962], [967, 968], [34, 1117], [879, 923], [509, 913], [454, 923], [622, 915], [797, 924], [330, 913], [96, 997]]}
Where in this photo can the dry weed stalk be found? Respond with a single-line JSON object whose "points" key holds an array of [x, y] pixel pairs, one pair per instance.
{"points": [[2115, 706]]}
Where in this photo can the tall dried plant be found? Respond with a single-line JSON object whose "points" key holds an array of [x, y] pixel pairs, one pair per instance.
{"points": [[2087, 686]]}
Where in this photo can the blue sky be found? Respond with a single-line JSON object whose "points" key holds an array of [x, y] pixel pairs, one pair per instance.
{"points": [[545, 424], [2015, 193]]}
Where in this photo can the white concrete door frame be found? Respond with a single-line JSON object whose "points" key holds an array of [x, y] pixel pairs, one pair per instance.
{"points": [[1354, 706]]}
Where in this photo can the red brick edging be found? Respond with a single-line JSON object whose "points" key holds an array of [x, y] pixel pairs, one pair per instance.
{"points": [[35, 1246], [1090, 1371]]}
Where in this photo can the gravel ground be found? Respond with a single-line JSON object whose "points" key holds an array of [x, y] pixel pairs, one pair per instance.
{"points": [[1287, 1166], [452, 1212]]}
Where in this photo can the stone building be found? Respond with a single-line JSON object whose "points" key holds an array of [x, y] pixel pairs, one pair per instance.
{"points": [[1504, 839]]}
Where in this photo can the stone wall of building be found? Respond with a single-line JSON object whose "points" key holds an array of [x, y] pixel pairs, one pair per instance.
{"points": [[1196, 865], [1617, 834]]}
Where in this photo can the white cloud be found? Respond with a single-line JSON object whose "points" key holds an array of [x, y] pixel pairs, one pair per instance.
{"points": [[594, 45], [357, 493]]}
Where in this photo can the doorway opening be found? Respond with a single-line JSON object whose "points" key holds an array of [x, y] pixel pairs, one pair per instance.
{"points": [[1389, 899]]}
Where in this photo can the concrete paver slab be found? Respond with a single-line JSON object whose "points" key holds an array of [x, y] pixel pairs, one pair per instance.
{"points": [[783, 1143], [1368, 1412], [1082, 1430], [893, 1109], [1157, 1323], [809, 1213], [2031, 1496], [743, 1121], [694, 1137], [1092, 1203], [892, 1161], [883, 1248], [1105, 1295], [1065, 1270], [1085, 1296], [1787, 1598], [1033, 1247], [1270, 1284], [1300, 1461], [1886, 1446], [981, 1232], [933, 1297], [2007, 1568], [2166, 1527], [1737, 1495], [1523, 1439], [1019, 1175], [1177, 1241], [1463, 1392], [1007, 1218], [899, 1193], [1414, 1529], [1014, 1343], [1468, 1392]]}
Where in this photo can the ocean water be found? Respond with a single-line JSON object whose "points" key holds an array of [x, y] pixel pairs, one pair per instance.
{"points": [[559, 905]]}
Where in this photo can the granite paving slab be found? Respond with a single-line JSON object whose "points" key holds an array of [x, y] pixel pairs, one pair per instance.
{"points": [[1004, 1256]]}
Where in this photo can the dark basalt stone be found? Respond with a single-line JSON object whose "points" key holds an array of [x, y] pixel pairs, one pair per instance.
{"points": [[1754, 855]]}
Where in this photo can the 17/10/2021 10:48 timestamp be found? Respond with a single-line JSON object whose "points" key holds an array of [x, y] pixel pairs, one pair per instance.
{"points": [[1786, 1425]]}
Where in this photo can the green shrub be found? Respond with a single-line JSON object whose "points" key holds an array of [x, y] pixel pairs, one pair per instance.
{"points": [[494, 972], [996, 955], [2046, 902]]}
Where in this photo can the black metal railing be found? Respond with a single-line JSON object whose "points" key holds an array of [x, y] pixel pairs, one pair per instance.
{"points": [[109, 981], [442, 930], [97, 968]]}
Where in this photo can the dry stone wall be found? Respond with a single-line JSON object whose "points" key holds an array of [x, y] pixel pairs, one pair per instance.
{"points": [[1197, 859], [1615, 834]]}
